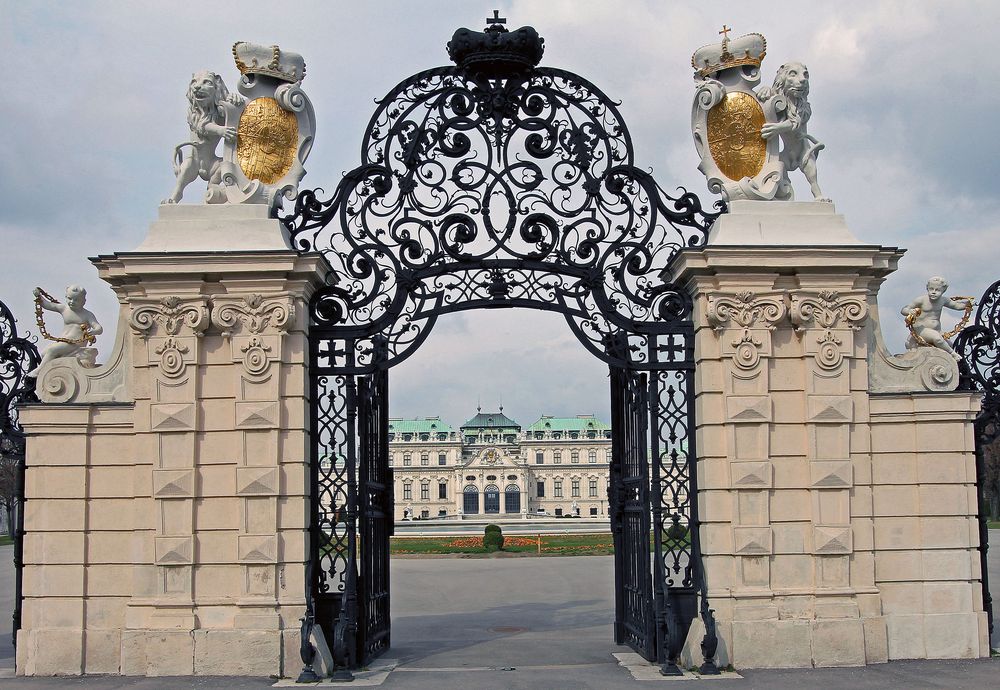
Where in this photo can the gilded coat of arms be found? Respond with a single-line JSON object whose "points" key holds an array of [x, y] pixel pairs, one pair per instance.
{"points": [[274, 127], [727, 118]]}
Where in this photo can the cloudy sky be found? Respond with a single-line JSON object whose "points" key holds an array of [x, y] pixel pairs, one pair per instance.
{"points": [[95, 103]]}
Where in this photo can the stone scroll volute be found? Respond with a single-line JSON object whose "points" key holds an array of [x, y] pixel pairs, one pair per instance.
{"points": [[827, 320], [169, 328], [253, 325], [744, 321]]}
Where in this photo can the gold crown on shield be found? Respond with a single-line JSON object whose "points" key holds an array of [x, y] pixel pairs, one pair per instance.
{"points": [[270, 61], [749, 49]]}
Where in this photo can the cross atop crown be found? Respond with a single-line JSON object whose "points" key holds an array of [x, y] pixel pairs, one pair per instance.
{"points": [[496, 19]]}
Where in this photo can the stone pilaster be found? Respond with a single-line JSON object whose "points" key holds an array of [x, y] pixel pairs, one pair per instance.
{"points": [[167, 529], [782, 429]]}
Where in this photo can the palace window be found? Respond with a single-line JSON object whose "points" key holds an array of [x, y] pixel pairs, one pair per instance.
{"points": [[491, 499], [593, 512], [407, 492], [407, 461], [607, 455], [425, 491], [557, 457], [425, 514], [470, 477], [443, 512], [592, 456], [558, 512], [512, 477], [574, 434], [407, 437], [512, 499], [593, 488], [491, 477], [391, 459], [470, 500], [557, 488], [424, 459], [540, 488], [556, 435], [442, 490], [574, 457], [575, 488], [539, 458], [442, 459]]}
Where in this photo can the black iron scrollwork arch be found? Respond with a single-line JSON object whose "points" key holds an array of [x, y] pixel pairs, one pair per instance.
{"points": [[481, 192]]}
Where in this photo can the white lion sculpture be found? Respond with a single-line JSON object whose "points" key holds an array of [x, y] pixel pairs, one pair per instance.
{"points": [[799, 151], [207, 97]]}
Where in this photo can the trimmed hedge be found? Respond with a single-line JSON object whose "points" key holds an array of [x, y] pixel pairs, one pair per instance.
{"points": [[493, 538]]}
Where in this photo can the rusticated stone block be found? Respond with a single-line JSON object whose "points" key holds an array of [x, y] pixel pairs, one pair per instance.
{"points": [[838, 642], [772, 644], [237, 652]]}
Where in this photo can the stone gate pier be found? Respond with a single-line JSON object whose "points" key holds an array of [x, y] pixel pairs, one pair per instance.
{"points": [[166, 506], [836, 481]]}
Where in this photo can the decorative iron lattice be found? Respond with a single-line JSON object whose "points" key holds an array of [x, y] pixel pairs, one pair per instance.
{"points": [[18, 356], [979, 348], [518, 192], [491, 184]]}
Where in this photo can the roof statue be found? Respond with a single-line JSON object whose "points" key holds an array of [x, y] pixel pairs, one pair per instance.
{"points": [[749, 141], [266, 130]]}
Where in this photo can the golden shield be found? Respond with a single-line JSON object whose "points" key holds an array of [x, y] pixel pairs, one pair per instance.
{"points": [[266, 140], [734, 135]]}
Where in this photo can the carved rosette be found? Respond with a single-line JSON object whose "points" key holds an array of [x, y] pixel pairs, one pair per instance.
{"points": [[752, 316], [172, 353], [255, 356], [834, 316]]}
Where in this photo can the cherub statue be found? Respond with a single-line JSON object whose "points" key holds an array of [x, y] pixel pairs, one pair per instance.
{"points": [[80, 326], [207, 100], [799, 150], [923, 317]]}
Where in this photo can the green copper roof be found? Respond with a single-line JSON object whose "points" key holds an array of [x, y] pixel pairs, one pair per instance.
{"points": [[491, 420], [583, 422], [428, 425]]}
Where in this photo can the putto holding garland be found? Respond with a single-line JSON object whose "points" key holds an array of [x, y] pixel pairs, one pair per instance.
{"points": [[750, 140]]}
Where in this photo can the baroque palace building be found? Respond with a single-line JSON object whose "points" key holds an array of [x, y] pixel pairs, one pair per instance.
{"points": [[491, 468]]}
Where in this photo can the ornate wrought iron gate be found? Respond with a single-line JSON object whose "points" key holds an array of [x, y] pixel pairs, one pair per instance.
{"points": [[18, 355], [979, 347], [496, 184], [628, 497], [376, 513]]}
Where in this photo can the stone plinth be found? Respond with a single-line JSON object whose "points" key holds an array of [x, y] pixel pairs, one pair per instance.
{"points": [[790, 442], [166, 534]]}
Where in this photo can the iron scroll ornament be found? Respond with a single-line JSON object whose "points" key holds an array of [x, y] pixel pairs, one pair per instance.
{"points": [[18, 356], [978, 346], [481, 192]]}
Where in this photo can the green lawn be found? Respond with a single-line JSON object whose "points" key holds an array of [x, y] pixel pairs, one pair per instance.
{"points": [[994, 524], [551, 545], [5, 540]]}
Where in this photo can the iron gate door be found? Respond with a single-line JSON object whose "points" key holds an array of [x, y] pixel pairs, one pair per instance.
{"points": [[375, 515], [628, 496]]}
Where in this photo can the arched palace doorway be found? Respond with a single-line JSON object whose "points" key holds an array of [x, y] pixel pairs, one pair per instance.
{"points": [[496, 183]]}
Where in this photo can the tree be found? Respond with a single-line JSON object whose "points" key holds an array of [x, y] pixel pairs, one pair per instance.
{"points": [[8, 488]]}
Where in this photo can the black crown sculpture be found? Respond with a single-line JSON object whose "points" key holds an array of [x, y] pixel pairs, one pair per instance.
{"points": [[496, 52]]}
